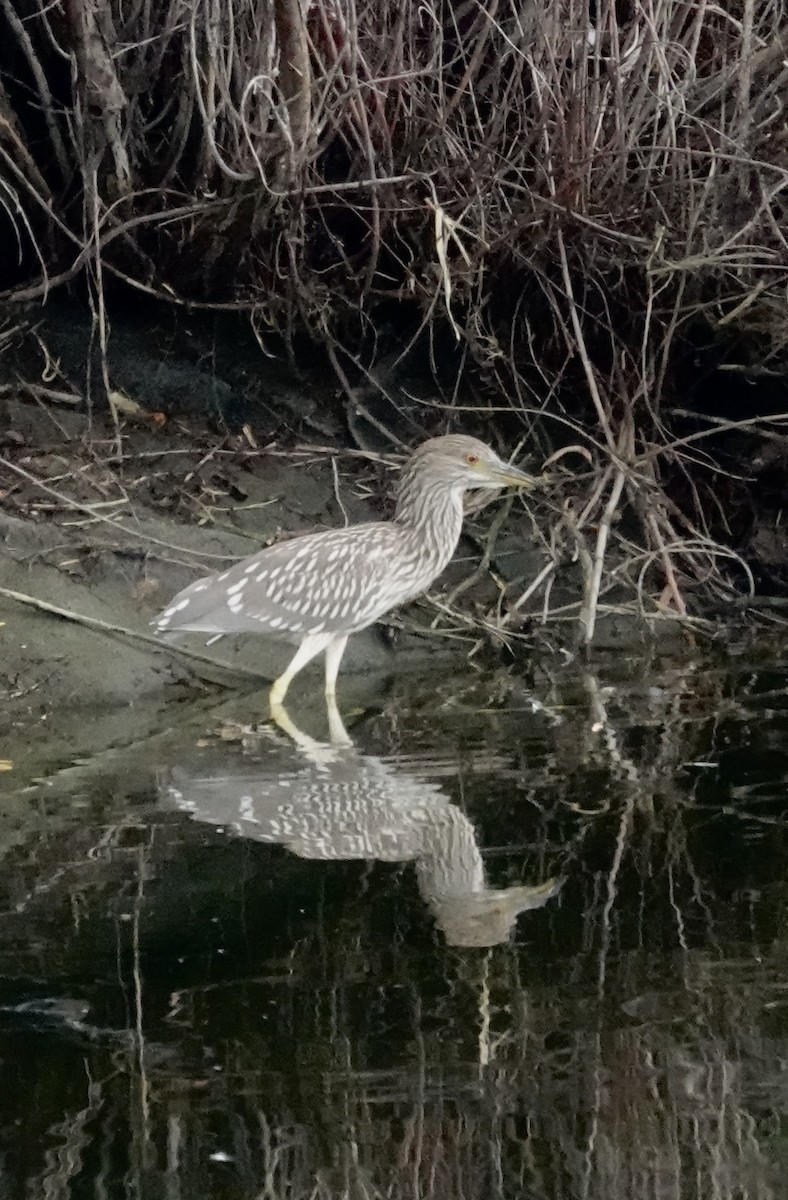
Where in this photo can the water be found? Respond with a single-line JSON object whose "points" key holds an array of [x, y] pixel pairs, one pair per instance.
{"points": [[527, 938]]}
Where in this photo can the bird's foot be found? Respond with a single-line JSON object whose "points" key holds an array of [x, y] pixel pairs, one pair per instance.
{"points": [[276, 696], [337, 733]]}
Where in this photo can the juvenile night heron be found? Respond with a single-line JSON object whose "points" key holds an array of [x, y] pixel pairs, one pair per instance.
{"points": [[318, 588]]}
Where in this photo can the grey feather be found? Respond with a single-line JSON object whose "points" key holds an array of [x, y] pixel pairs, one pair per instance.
{"points": [[339, 581]]}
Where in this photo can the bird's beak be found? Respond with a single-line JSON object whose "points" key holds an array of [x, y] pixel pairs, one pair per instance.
{"points": [[506, 475]]}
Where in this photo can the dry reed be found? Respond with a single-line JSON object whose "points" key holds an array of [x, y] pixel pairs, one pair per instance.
{"points": [[565, 191]]}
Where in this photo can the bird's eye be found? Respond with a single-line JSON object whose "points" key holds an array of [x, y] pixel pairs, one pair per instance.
{"points": [[471, 458]]}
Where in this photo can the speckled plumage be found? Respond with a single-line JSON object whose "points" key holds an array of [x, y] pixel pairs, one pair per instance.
{"points": [[332, 806], [335, 581], [318, 588]]}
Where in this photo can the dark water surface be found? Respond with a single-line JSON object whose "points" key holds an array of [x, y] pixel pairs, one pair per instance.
{"points": [[524, 939]]}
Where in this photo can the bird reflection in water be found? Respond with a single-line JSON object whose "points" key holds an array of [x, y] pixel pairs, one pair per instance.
{"points": [[334, 802]]}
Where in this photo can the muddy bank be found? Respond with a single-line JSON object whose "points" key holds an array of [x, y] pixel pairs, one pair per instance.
{"points": [[96, 547], [211, 451], [105, 516]]}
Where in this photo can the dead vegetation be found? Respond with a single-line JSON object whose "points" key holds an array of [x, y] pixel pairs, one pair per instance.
{"points": [[559, 199]]}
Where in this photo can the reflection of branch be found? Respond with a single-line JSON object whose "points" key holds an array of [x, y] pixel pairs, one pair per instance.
{"points": [[622, 839], [73, 1140], [141, 1126], [603, 724]]}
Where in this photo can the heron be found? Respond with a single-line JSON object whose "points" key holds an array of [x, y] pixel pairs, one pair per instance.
{"points": [[317, 589]]}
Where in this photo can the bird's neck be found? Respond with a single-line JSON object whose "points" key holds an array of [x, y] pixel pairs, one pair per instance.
{"points": [[432, 513]]}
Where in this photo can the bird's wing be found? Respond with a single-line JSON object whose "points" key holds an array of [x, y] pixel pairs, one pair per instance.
{"points": [[328, 582]]}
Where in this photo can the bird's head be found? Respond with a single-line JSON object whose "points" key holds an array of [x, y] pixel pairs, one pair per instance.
{"points": [[465, 463]]}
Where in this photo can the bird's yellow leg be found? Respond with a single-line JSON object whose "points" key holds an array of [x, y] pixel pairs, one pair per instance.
{"points": [[278, 691], [337, 733], [309, 649], [334, 652]]}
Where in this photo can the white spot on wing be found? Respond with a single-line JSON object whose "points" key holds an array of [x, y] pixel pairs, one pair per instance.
{"points": [[246, 809]]}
